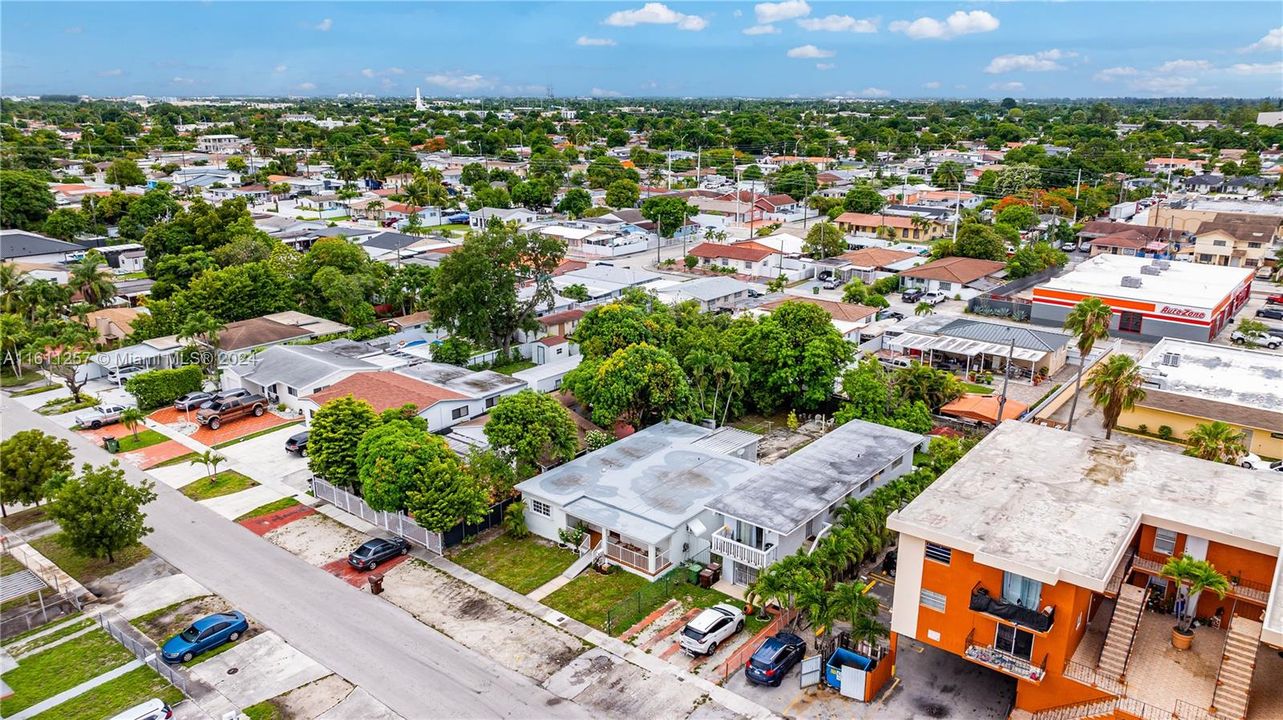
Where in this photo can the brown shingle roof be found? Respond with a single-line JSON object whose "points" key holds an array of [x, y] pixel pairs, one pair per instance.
{"points": [[869, 220], [748, 250], [846, 312], [386, 390], [955, 269], [561, 317], [875, 257], [257, 331]]}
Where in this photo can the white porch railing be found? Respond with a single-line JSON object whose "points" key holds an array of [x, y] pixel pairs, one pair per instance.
{"points": [[632, 558], [726, 546]]}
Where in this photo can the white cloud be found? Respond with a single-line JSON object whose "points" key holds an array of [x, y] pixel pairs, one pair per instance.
{"points": [[809, 51], [959, 23], [761, 30], [459, 81], [280, 68], [777, 11], [649, 85], [602, 92], [1172, 66], [839, 23], [324, 25], [395, 71], [825, 66], [872, 92], [114, 72], [1114, 73], [585, 41], [1164, 84], [384, 73], [738, 13], [1273, 40], [1038, 62], [73, 30], [1013, 86], [653, 13], [306, 86], [1274, 68], [933, 85], [182, 80], [368, 72]]}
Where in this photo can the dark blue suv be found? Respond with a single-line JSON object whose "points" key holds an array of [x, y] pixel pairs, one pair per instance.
{"points": [[774, 659]]}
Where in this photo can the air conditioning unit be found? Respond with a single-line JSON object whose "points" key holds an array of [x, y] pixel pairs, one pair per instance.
{"points": [[1130, 281], [1150, 270]]}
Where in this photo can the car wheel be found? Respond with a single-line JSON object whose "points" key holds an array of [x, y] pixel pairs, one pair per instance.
{"points": [[234, 637], [187, 657], [1245, 464], [372, 565], [1237, 341], [258, 411], [95, 425], [405, 549], [739, 626], [214, 424]]}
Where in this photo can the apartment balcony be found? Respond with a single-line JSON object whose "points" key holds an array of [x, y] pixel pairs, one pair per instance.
{"points": [[1258, 593], [651, 561], [1005, 663], [724, 544], [1025, 618]]}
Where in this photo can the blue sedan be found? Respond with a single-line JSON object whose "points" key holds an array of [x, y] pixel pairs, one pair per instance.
{"points": [[774, 659], [204, 634]]}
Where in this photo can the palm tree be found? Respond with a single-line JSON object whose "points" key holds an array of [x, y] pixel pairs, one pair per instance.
{"points": [[372, 209], [853, 603], [924, 308], [1216, 441], [920, 223], [768, 587], [12, 279], [203, 329], [814, 600], [92, 280], [210, 460], [416, 192], [1199, 575], [1115, 387], [131, 418], [1089, 322]]}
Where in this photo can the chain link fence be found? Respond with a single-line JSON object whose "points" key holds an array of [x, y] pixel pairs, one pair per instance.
{"points": [[145, 652]]}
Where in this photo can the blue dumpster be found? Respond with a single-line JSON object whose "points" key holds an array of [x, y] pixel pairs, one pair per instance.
{"points": [[851, 664]]}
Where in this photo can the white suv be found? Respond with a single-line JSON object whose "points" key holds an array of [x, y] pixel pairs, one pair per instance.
{"points": [[702, 635]]}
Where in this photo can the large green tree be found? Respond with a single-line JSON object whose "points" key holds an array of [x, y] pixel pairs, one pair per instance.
{"points": [[622, 193], [444, 494], [123, 173], [863, 199], [25, 199], [795, 355], [337, 429], [532, 430], [638, 385], [824, 240], [396, 457], [100, 512], [1115, 385], [28, 460], [668, 212]]}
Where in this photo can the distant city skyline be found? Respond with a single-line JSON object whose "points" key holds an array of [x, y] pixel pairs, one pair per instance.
{"points": [[783, 49]]}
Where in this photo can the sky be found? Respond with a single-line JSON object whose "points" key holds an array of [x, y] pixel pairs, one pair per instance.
{"points": [[793, 48]]}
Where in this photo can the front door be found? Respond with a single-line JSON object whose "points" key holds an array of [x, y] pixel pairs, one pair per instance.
{"points": [[744, 574]]}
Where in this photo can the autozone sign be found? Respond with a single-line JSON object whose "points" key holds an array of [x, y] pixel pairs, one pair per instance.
{"points": [[1182, 312]]}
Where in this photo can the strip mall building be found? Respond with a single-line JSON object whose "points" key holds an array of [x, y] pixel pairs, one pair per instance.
{"points": [[1151, 299]]}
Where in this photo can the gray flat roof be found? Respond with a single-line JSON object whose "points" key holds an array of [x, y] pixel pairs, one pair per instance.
{"points": [[1027, 338], [1240, 376], [785, 495], [473, 383], [1053, 505], [646, 485], [20, 244]]}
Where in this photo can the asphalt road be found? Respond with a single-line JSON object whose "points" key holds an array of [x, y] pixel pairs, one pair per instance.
{"points": [[411, 668]]}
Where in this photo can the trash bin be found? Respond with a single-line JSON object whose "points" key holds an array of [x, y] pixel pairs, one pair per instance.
{"points": [[376, 583], [692, 571], [815, 289], [716, 569], [111, 444], [706, 578]]}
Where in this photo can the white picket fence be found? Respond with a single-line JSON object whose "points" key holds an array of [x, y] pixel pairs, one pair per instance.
{"points": [[399, 523]]}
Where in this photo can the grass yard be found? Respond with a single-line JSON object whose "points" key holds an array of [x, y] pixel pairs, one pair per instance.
{"points": [[262, 711], [8, 379], [146, 438], [136, 686], [83, 568], [588, 597], [251, 436], [690, 596], [9, 565], [521, 565], [36, 390], [976, 389], [24, 518], [269, 508], [66, 405], [48, 673], [511, 368], [18, 647], [180, 460], [224, 483]]}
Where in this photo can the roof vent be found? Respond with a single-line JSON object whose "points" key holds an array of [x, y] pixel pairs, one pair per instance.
{"points": [[1150, 270], [1163, 264], [1172, 359], [1130, 281]]}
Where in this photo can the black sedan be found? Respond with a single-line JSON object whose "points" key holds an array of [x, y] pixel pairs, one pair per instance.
{"points": [[774, 659], [1273, 312], [373, 552], [192, 401], [297, 443], [912, 295]]}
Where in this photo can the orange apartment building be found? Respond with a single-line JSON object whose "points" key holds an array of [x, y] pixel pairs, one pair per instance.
{"points": [[1039, 556]]}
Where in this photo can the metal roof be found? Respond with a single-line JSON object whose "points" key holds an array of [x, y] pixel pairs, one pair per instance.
{"points": [[20, 244], [1004, 334], [963, 346]]}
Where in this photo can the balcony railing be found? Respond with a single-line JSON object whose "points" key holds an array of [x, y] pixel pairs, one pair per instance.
{"points": [[1244, 589], [1004, 662], [637, 559], [1030, 619], [728, 547], [1087, 675]]}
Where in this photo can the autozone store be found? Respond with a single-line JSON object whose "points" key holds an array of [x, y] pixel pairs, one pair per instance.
{"points": [[1166, 299]]}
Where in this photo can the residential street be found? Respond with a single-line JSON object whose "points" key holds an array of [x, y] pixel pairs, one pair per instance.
{"points": [[410, 667]]}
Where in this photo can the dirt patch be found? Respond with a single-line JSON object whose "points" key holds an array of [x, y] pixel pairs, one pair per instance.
{"points": [[316, 539], [167, 622], [504, 634], [626, 690], [313, 699]]}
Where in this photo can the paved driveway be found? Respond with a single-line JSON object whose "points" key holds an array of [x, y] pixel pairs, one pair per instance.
{"points": [[264, 458], [232, 430]]}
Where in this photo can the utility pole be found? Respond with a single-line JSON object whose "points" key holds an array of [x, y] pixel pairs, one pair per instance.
{"points": [[1078, 186], [1006, 378], [669, 179], [957, 212]]}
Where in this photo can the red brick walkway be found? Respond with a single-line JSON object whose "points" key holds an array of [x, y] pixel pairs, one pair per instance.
{"points": [[263, 524], [358, 578]]}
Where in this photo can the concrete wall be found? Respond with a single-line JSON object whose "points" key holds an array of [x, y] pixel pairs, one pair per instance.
{"points": [[1151, 328], [1261, 441]]}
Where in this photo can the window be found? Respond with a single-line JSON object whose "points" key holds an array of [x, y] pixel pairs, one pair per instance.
{"points": [[939, 553], [1254, 245], [1165, 541], [899, 461], [1014, 641], [459, 412], [1020, 590], [933, 600], [539, 507], [866, 485], [748, 264], [292, 391], [490, 402], [1204, 258], [946, 286], [1218, 243], [1130, 321]]}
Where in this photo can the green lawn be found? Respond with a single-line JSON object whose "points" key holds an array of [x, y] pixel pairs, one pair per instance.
{"points": [[521, 565], [589, 596], [133, 276], [36, 390], [8, 379], [269, 508], [452, 226], [66, 405], [258, 433], [9, 566], [224, 483], [83, 568], [134, 687], [976, 389], [690, 596], [180, 460], [24, 518], [511, 368], [262, 711], [19, 648], [48, 673], [146, 438]]}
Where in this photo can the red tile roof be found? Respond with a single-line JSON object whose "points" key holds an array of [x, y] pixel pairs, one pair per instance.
{"points": [[747, 250], [553, 340], [386, 390], [955, 269], [558, 318]]}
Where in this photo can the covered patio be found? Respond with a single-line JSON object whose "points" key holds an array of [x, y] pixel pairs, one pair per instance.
{"points": [[955, 353], [631, 540]]}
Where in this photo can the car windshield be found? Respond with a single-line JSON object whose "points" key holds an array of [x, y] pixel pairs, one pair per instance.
{"points": [[768, 654], [693, 634], [190, 633]]}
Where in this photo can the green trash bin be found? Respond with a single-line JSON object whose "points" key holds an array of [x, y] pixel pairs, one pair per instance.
{"points": [[692, 570], [111, 444]]}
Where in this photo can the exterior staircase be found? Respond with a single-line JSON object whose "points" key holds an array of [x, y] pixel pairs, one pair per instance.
{"points": [[1122, 629], [1238, 661], [586, 558], [1077, 711]]}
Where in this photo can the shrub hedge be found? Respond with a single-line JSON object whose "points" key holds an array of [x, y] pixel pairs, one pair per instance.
{"points": [[158, 388]]}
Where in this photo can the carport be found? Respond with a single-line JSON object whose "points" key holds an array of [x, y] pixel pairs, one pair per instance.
{"points": [[974, 355]]}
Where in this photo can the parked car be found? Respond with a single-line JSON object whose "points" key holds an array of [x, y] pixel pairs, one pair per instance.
{"points": [[457, 218], [832, 284], [373, 552], [1084, 246], [934, 297], [774, 659], [1274, 299], [894, 363], [1272, 342], [192, 401], [205, 634], [1273, 312], [825, 276], [755, 293], [1069, 246], [297, 443], [154, 709], [1275, 331], [121, 374], [885, 314], [99, 416], [702, 635], [223, 395], [222, 411], [912, 295]]}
